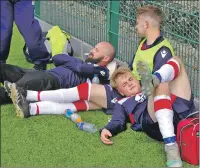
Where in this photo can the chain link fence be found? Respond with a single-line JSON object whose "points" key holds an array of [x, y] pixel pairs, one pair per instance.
{"points": [[89, 22]]}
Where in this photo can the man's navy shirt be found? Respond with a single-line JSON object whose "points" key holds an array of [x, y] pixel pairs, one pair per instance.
{"points": [[71, 71]]}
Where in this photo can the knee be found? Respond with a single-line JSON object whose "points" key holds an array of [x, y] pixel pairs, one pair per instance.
{"points": [[180, 62], [178, 59]]}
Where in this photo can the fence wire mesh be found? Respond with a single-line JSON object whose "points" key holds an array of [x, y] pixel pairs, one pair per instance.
{"points": [[80, 18], [87, 20]]}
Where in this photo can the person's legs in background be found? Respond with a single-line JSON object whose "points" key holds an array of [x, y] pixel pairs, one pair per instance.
{"points": [[6, 23], [32, 33], [10, 73]]}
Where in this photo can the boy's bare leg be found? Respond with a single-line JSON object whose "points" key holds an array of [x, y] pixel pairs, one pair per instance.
{"points": [[93, 106], [95, 93], [98, 95], [163, 88], [180, 86]]}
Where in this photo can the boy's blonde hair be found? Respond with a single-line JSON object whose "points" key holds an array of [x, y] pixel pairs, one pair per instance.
{"points": [[117, 73], [153, 12]]}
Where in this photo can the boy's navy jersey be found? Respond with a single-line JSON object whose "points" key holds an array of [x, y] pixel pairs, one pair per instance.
{"points": [[71, 71], [161, 57], [135, 110], [112, 95], [128, 109]]}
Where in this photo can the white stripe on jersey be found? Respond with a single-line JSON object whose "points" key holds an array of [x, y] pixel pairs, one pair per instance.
{"points": [[121, 101]]}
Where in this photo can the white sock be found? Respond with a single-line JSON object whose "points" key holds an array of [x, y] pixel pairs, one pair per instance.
{"points": [[81, 92], [168, 71], [164, 116], [46, 107], [60, 95], [32, 95]]}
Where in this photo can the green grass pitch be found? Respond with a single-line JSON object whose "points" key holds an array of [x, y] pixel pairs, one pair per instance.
{"points": [[55, 141]]}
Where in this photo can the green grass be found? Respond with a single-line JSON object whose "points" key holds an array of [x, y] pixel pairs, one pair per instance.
{"points": [[55, 141]]}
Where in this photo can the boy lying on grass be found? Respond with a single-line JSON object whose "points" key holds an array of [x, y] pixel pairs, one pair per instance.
{"points": [[147, 116]]}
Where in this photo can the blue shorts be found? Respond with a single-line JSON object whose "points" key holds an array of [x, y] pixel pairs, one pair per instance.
{"points": [[181, 107], [112, 96]]}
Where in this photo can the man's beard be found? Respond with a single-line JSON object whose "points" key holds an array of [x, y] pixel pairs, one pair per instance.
{"points": [[93, 60]]}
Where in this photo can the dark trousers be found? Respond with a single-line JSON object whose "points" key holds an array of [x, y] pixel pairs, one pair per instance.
{"points": [[22, 12], [26, 78]]}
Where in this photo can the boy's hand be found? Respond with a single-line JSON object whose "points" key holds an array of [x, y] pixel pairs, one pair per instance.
{"points": [[105, 134]]}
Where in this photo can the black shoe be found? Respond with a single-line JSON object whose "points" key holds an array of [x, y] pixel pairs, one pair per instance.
{"points": [[40, 67], [18, 96]]}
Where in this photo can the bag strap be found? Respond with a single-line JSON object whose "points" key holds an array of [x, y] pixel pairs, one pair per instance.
{"points": [[192, 114], [72, 50], [28, 59], [68, 39]]}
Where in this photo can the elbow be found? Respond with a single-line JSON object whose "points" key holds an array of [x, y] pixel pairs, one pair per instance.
{"points": [[56, 63]]}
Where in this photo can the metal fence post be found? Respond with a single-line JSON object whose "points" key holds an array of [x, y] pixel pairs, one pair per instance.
{"points": [[37, 8], [112, 24]]}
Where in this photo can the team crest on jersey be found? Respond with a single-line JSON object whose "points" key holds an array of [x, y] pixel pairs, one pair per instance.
{"points": [[114, 100], [102, 73], [163, 53], [140, 98], [121, 101], [95, 65]]}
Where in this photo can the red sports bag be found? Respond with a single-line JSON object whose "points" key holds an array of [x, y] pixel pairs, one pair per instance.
{"points": [[188, 139]]}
